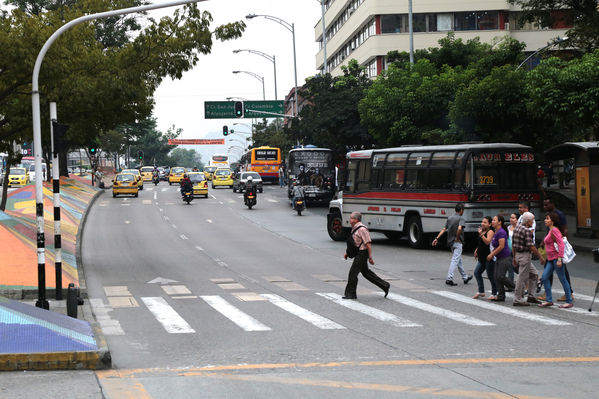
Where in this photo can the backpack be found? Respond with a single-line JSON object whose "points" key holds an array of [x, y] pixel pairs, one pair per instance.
{"points": [[352, 249]]}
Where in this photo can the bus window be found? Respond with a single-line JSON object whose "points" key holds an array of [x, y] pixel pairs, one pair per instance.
{"points": [[415, 178], [363, 175], [419, 159], [486, 176], [393, 178], [350, 176], [442, 160], [376, 179], [396, 160], [439, 178]]}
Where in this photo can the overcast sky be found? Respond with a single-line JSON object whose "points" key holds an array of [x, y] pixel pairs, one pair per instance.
{"points": [[181, 102]]}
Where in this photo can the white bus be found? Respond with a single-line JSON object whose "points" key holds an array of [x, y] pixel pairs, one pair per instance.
{"points": [[411, 190], [219, 161]]}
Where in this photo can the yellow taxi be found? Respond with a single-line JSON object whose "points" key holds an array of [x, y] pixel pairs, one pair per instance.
{"points": [[176, 175], [200, 184], [209, 171], [125, 183], [135, 172], [222, 177], [146, 172], [18, 177]]}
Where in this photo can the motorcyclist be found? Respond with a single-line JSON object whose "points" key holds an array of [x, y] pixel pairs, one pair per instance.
{"points": [[297, 192], [155, 174], [250, 187], [186, 184]]}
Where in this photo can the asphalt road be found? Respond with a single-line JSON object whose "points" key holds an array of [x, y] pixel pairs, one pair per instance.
{"points": [[214, 300]]}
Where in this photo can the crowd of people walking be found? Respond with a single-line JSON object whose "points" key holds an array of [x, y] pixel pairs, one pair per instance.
{"points": [[504, 250]]}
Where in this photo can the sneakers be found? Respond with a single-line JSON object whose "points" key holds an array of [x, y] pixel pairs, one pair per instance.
{"points": [[497, 299], [467, 279], [518, 303], [566, 306], [450, 282]]}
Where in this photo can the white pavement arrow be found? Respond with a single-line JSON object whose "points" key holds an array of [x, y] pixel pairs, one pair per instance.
{"points": [[161, 280]]}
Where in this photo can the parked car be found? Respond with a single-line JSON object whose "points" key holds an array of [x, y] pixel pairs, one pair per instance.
{"points": [[241, 179]]}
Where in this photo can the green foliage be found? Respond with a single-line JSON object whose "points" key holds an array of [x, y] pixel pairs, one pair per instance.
{"points": [[582, 15], [186, 158], [332, 119], [271, 134]]}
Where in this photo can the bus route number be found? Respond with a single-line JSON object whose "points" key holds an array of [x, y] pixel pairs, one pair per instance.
{"points": [[486, 180]]}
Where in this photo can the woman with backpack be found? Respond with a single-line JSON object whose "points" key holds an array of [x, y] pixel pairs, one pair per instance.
{"points": [[359, 247]]}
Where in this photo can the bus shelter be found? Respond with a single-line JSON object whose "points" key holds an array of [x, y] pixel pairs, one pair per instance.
{"points": [[586, 163]]}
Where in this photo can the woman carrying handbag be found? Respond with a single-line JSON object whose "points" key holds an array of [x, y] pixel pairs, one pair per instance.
{"points": [[554, 247]]}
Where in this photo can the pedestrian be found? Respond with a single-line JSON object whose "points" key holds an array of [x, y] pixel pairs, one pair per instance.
{"points": [[454, 226], [523, 247], [562, 224], [485, 235], [501, 252], [549, 174], [361, 238], [554, 247], [281, 176]]}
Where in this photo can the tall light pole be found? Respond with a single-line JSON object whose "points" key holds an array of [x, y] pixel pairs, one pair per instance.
{"points": [[291, 28], [260, 78], [271, 58], [411, 29], [552, 43], [324, 36], [37, 130]]}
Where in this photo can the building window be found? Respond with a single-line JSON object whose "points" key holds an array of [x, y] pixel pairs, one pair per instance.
{"points": [[391, 23], [487, 20], [444, 22], [464, 20]]}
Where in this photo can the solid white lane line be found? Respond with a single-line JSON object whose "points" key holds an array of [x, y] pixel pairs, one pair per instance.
{"points": [[460, 317], [369, 310], [243, 320], [501, 309], [305, 314], [167, 316]]}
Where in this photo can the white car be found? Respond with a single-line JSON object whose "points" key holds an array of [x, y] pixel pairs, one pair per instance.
{"points": [[241, 179], [32, 171]]}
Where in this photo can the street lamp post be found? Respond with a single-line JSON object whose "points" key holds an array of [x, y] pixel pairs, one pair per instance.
{"points": [[260, 78], [324, 36], [291, 28], [552, 43], [37, 129], [271, 58]]}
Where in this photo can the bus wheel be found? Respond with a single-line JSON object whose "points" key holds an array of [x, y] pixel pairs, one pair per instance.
{"points": [[415, 234], [335, 228]]}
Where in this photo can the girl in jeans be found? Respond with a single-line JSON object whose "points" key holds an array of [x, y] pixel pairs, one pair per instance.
{"points": [[554, 246], [485, 235]]}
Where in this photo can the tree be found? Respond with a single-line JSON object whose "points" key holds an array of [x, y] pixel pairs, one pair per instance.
{"points": [[99, 80], [582, 15], [186, 158], [271, 134], [332, 119]]}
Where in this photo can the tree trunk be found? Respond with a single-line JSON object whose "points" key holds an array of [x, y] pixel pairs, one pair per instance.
{"points": [[5, 187]]}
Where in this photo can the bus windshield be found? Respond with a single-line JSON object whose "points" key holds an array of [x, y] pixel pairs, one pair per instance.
{"points": [[311, 161], [504, 171]]}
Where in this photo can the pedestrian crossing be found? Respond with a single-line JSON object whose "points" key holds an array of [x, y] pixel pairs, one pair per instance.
{"points": [[410, 309]]}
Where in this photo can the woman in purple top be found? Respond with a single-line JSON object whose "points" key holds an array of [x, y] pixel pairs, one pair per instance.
{"points": [[504, 257]]}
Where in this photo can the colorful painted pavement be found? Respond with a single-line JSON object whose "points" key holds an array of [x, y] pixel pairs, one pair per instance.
{"points": [[18, 257]]}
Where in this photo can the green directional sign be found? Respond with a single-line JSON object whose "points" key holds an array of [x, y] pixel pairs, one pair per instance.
{"points": [[219, 110], [263, 109]]}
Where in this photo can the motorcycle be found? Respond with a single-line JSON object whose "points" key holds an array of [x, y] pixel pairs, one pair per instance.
{"points": [[250, 199], [155, 180], [188, 196], [299, 205]]}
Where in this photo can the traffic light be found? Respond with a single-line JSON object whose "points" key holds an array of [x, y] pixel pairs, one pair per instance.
{"points": [[92, 151], [60, 142], [140, 155], [238, 109], [225, 130]]}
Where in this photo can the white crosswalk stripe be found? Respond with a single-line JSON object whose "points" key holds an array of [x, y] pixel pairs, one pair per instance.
{"points": [[579, 311], [243, 320], [501, 309], [459, 317], [167, 316], [369, 310], [305, 314]]}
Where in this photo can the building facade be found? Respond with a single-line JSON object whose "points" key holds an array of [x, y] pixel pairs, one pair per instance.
{"points": [[366, 30]]}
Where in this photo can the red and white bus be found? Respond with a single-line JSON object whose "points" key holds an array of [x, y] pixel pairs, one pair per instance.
{"points": [[410, 191]]}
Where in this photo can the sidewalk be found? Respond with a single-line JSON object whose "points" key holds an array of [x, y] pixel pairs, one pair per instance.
{"points": [[32, 338]]}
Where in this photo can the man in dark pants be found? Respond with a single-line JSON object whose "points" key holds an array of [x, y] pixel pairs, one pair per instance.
{"points": [[362, 240]]}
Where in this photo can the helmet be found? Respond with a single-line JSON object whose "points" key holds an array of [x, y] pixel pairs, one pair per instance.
{"points": [[250, 178], [185, 175]]}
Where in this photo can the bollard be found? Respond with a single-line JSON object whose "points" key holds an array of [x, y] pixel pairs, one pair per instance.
{"points": [[72, 301]]}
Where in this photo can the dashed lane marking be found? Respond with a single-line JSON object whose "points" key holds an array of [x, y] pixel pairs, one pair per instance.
{"points": [[209, 220], [501, 309], [175, 290], [304, 314], [243, 320], [184, 237], [167, 316], [369, 311], [199, 248], [146, 202]]}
